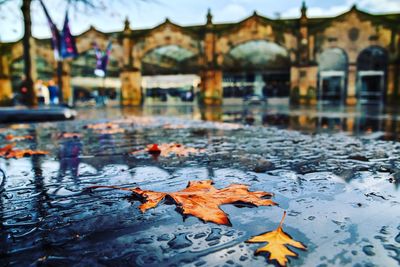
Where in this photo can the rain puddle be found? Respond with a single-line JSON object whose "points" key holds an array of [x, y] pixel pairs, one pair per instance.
{"points": [[341, 194]]}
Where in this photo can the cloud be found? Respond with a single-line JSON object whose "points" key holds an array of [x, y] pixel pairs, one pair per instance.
{"points": [[232, 12], [387, 6], [372, 6]]}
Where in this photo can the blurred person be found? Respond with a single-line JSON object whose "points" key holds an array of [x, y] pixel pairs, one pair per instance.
{"points": [[53, 92], [42, 93]]}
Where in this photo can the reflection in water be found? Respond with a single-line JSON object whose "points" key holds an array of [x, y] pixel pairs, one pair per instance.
{"points": [[328, 184], [3, 233], [69, 157], [358, 120]]}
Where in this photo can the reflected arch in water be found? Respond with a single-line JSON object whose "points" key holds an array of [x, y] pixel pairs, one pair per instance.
{"points": [[258, 67], [371, 75], [332, 75]]}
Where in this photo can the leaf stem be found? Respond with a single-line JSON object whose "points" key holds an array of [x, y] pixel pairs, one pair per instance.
{"points": [[283, 218]]}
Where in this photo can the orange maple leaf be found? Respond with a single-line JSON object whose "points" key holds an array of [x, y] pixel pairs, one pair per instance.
{"points": [[201, 199], [277, 241]]}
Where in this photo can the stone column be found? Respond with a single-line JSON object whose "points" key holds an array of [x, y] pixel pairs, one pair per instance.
{"points": [[211, 85], [66, 83], [6, 93], [131, 91], [211, 75], [131, 76], [352, 85], [391, 84], [304, 80], [66, 90]]}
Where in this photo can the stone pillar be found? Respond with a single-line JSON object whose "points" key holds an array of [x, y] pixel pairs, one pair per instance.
{"points": [[6, 93], [391, 84], [131, 77], [66, 90], [352, 85], [303, 38], [397, 82], [66, 84], [211, 75], [211, 85], [304, 81], [131, 90]]}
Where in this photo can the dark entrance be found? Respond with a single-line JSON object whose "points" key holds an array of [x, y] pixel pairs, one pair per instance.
{"points": [[257, 69], [332, 76], [371, 75]]}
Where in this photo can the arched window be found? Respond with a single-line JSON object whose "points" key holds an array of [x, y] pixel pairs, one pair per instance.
{"points": [[371, 75], [257, 67], [332, 76]]}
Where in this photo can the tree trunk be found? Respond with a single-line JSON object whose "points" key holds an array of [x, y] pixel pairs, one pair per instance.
{"points": [[26, 12]]}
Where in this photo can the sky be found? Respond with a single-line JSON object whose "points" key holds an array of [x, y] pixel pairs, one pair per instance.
{"points": [[184, 12]]}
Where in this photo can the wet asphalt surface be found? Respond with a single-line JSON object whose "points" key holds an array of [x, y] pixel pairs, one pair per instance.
{"points": [[341, 194]]}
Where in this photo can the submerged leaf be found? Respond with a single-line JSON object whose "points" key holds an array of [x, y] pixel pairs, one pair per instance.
{"points": [[102, 126], [166, 150], [277, 244], [202, 200], [111, 131], [8, 152], [20, 153], [69, 135], [6, 149], [11, 137]]}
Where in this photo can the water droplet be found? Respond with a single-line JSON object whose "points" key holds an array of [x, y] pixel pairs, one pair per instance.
{"points": [[368, 250], [214, 235], [180, 241]]}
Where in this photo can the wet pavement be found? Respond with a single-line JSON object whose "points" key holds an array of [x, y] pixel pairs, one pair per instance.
{"points": [[340, 190]]}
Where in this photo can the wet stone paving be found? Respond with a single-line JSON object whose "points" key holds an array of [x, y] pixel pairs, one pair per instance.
{"points": [[341, 194]]}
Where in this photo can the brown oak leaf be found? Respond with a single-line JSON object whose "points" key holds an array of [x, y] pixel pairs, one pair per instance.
{"points": [[201, 199], [277, 244]]}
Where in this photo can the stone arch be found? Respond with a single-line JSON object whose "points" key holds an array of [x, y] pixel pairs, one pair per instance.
{"points": [[270, 51], [17, 52], [372, 65], [169, 59], [85, 65], [252, 29], [332, 75], [164, 35], [259, 67], [351, 31], [44, 70], [85, 40]]}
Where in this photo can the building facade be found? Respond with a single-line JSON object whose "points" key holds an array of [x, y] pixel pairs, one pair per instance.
{"points": [[349, 59]]}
